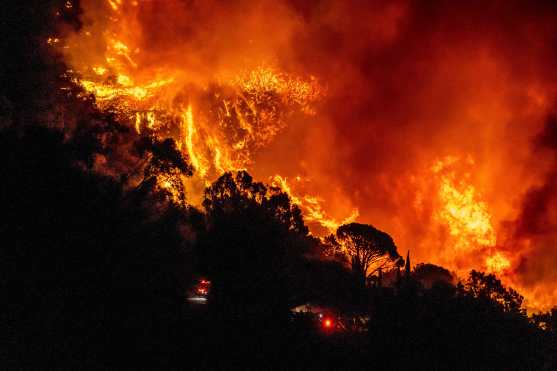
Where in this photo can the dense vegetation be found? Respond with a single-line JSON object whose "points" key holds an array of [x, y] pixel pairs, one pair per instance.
{"points": [[95, 266]]}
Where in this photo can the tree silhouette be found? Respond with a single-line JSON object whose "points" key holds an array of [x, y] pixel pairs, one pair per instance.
{"points": [[367, 248], [254, 234], [459, 328], [91, 270], [488, 287], [548, 323], [429, 274], [163, 167]]}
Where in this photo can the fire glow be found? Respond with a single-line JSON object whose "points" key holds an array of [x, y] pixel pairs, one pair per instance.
{"points": [[262, 88]]}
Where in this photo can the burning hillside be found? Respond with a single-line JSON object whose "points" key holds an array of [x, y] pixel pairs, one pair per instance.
{"points": [[430, 122], [220, 119]]}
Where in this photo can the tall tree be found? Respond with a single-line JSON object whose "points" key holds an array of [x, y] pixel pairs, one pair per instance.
{"points": [[367, 247]]}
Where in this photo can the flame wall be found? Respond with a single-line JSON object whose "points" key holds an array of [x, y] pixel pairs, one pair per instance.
{"points": [[433, 122]]}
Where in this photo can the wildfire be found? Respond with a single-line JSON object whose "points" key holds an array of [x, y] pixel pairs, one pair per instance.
{"points": [[218, 125], [312, 206], [468, 218], [497, 263], [466, 215], [225, 101]]}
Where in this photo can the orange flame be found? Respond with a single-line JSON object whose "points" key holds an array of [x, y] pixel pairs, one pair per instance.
{"points": [[227, 95], [231, 118]]}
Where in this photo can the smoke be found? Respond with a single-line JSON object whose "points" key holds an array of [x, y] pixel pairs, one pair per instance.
{"points": [[535, 228], [202, 39], [408, 84]]}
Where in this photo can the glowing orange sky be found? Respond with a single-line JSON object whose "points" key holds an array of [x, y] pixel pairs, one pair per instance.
{"points": [[405, 86]]}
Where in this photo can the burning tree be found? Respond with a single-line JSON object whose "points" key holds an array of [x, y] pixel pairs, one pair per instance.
{"points": [[164, 167], [368, 248]]}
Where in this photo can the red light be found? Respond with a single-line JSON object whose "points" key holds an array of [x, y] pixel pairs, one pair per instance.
{"points": [[327, 323]]}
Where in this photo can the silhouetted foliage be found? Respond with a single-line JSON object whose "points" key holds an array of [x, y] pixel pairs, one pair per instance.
{"points": [[164, 156], [367, 248], [548, 322], [489, 289], [29, 72], [163, 167], [96, 279], [89, 269], [461, 327], [429, 274], [253, 235]]}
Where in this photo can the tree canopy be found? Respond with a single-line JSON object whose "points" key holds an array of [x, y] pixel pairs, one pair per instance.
{"points": [[429, 274], [254, 235], [368, 248]]}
